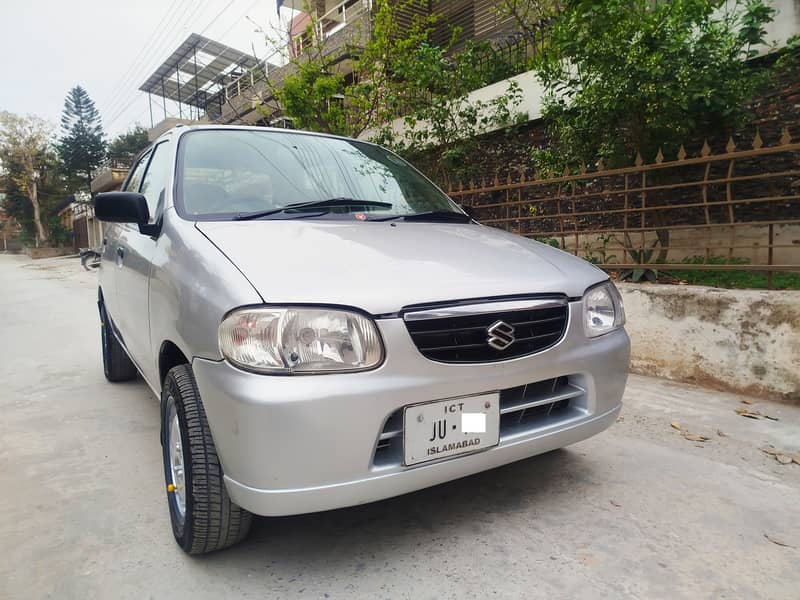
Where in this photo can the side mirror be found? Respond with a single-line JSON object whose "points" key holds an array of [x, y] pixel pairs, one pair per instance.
{"points": [[124, 207]]}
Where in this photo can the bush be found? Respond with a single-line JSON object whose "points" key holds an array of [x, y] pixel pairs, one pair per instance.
{"points": [[734, 279]]}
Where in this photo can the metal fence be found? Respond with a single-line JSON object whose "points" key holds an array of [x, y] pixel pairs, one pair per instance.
{"points": [[739, 209]]}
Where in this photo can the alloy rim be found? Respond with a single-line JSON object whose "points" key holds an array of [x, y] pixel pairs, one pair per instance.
{"points": [[176, 466]]}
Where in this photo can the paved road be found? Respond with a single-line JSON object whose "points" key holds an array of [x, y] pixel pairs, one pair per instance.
{"points": [[637, 512]]}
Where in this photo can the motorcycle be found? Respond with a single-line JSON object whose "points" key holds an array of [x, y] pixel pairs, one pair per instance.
{"points": [[90, 258]]}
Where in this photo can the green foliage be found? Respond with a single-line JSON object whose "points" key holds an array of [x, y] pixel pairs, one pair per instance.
{"points": [[789, 56], [628, 75], [28, 167], [549, 241], [603, 256], [434, 95], [127, 145], [59, 235], [642, 256], [640, 274], [734, 279], [399, 73], [318, 96], [82, 147], [530, 15], [50, 192]]}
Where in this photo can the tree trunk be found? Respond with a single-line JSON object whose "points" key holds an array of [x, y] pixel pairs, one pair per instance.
{"points": [[37, 218]]}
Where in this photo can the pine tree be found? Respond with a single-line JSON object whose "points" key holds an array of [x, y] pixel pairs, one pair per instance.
{"points": [[82, 146]]}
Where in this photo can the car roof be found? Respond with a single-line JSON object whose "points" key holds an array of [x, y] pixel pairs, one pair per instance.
{"points": [[181, 129]]}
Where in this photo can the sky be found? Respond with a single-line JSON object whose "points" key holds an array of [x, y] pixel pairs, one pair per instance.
{"points": [[110, 47]]}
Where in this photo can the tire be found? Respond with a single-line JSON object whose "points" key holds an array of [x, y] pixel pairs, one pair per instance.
{"points": [[116, 364], [204, 519]]}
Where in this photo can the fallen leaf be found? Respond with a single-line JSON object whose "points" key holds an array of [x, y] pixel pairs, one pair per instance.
{"points": [[695, 437], [753, 414], [777, 541], [615, 503], [796, 458], [770, 451], [783, 459], [748, 401], [747, 413], [721, 433], [676, 425]]}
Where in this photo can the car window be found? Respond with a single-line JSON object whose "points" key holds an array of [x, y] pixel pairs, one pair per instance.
{"points": [[155, 178], [136, 174], [227, 172]]}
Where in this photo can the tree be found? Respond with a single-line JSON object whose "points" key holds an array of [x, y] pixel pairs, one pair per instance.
{"points": [[319, 96], [623, 76], [396, 73], [530, 16], [127, 145], [82, 147], [27, 157]]}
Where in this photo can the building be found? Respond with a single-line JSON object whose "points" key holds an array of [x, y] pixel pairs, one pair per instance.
{"points": [[87, 229], [193, 84], [346, 26], [205, 81]]}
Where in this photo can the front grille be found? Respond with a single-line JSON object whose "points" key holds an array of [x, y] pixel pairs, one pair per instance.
{"points": [[465, 338], [540, 404], [523, 409]]}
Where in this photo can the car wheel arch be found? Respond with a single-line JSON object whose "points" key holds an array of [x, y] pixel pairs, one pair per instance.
{"points": [[169, 356]]}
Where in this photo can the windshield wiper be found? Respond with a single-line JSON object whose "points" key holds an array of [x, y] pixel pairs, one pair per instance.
{"points": [[321, 204], [433, 216]]}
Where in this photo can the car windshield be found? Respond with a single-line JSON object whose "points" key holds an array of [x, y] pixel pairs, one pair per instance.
{"points": [[228, 174]]}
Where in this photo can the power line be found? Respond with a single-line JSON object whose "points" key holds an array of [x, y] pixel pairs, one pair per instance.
{"points": [[143, 49], [203, 31], [153, 51], [163, 48]]}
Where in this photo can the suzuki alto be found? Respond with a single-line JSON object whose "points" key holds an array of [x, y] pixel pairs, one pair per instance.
{"points": [[324, 327]]}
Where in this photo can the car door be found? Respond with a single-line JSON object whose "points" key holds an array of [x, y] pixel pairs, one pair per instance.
{"points": [[111, 254], [134, 256]]}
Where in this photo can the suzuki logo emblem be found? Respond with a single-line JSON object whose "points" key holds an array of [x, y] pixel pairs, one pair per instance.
{"points": [[501, 335]]}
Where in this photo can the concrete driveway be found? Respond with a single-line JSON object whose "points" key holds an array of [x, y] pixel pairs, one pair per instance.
{"points": [[637, 512]]}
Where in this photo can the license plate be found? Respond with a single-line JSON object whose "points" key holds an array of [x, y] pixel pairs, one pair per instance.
{"points": [[450, 427]]}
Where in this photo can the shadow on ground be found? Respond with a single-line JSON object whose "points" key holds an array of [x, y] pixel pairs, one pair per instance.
{"points": [[463, 512]]}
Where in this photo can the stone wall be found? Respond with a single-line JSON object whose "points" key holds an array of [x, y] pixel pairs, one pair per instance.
{"points": [[745, 341]]}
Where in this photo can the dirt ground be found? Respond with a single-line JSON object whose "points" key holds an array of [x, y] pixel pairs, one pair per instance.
{"points": [[644, 510]]}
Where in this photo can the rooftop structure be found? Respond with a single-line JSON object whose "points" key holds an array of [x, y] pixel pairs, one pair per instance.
{"points": [[192, 80]]}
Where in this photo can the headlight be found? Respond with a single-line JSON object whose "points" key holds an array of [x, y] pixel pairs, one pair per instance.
{"points": [[602, 310], [300, 340]]}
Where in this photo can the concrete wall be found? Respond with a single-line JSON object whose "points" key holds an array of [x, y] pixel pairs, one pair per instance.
{"points": [[735, 340], [531, 105], [785, 25]]}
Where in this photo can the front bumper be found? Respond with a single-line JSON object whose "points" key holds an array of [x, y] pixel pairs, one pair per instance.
{"points": [[299, 444]]}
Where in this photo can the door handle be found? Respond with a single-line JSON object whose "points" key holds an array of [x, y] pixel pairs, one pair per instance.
{"points": [[120, 255]]}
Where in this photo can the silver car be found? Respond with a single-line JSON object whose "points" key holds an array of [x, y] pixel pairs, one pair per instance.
{"points": [[325, 328]]}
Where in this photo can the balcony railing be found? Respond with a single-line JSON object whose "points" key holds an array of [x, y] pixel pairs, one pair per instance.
{"points": [[337, 18]]}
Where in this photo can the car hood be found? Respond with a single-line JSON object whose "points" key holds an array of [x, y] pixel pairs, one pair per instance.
{"points": [[382, 267]]}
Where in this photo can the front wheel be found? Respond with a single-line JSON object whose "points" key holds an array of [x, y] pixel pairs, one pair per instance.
{"points": [[204, 518]]}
